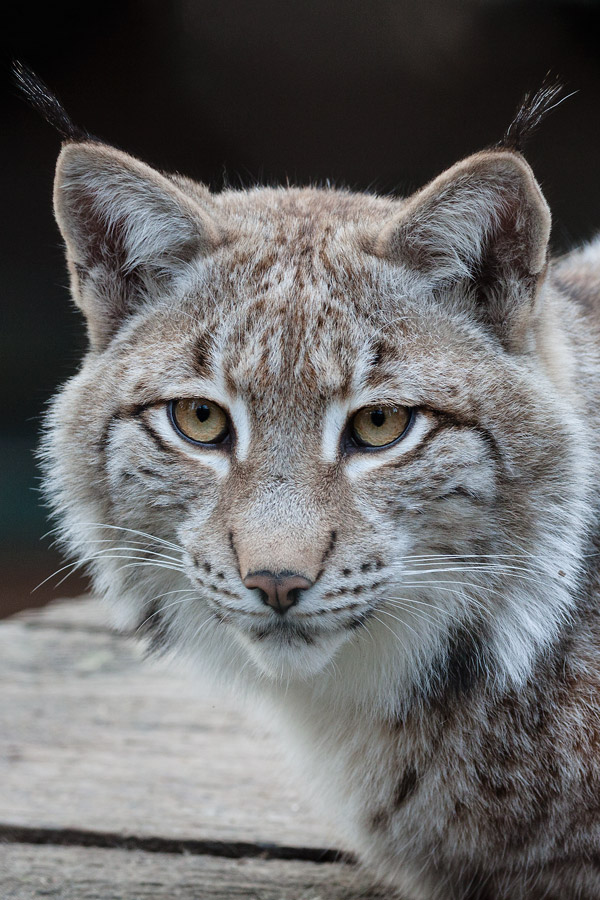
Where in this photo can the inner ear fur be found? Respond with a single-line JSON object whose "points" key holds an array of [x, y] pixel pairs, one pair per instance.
{"points": [[484, 221], [129, 232]]}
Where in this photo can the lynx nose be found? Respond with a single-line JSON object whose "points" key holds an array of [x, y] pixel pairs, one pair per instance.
{"points": [[280, 591]]}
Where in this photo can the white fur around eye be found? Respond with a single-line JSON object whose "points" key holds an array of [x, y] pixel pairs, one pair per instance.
{"points": [[241, 423], [160, 422], [360, 463], [333, 425]]}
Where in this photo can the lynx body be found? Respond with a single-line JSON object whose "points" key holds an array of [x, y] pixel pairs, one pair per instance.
{"points": [[420, 616]]}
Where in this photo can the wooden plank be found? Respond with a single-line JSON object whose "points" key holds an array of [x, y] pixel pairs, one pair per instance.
{"points": [[75, 873], [81, 613], [92, 736]]}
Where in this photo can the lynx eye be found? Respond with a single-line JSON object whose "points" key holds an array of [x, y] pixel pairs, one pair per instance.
{"points": [[379, 426], [200, 421]]}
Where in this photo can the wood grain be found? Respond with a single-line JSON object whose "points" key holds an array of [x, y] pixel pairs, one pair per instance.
{"points": [[122, 780], [73, 873], [94, 736]]}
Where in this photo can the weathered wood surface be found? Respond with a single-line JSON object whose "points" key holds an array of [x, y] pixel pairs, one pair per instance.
{"points": [[74, 873], [105, 755], [94, 736]]}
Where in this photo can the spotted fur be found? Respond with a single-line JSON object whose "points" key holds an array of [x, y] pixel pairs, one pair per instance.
{"points": [[439, 683]]}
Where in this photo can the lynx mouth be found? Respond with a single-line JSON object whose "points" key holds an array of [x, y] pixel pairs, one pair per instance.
{"points": [[286, 633], [290, 631], [290, 651]]}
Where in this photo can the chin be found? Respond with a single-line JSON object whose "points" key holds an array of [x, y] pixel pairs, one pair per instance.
{"points": [[285, 656]]}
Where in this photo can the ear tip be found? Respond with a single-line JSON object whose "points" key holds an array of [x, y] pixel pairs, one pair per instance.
{"points": [[509, 163], [71, 152], [499, 158], [86, 160], [71, 149]]}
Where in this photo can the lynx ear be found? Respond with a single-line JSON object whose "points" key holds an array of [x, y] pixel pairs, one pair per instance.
{"points": [[484, 221], [129, 232]]}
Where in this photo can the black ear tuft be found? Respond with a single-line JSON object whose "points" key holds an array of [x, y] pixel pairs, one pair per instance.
{"points": [[532, 110], [38, 95]]}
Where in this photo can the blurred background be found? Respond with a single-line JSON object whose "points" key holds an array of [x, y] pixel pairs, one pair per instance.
{"points": [[377, 95]]}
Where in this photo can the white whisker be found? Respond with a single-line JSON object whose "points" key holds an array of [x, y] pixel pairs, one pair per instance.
{"points": [[396, 635], [411, 605], [211, 617], [163, 608], [74, 566], [132, 546], [401, 621], [432, 557], [509, 571], [145, 534], [467, 584]]}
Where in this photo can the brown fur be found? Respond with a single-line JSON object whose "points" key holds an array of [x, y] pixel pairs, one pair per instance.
{"points": [[439, 681]]}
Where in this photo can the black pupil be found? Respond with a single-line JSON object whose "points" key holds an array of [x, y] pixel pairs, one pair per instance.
{"points": [[378, 417], [203, 412]]}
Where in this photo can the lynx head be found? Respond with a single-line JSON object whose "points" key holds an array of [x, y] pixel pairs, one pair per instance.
{"points": [[320, 427]]}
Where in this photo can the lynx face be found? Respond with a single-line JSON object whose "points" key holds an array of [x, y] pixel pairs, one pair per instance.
{"points": [[316, 427]]}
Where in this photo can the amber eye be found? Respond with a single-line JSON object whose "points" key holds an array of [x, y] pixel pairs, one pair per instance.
{"points": [[201, 421], [378, 426]]}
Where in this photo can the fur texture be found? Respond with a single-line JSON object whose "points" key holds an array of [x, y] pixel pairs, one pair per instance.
{"points": [[439, 682]]}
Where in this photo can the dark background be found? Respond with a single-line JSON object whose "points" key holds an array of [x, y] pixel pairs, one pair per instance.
{"points": [[373, 94]]}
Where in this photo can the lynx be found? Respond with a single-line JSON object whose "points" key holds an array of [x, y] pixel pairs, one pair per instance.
{"points": [[341, 451]]}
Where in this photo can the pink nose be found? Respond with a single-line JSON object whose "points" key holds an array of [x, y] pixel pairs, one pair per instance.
{"points": [[278, 591]]}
